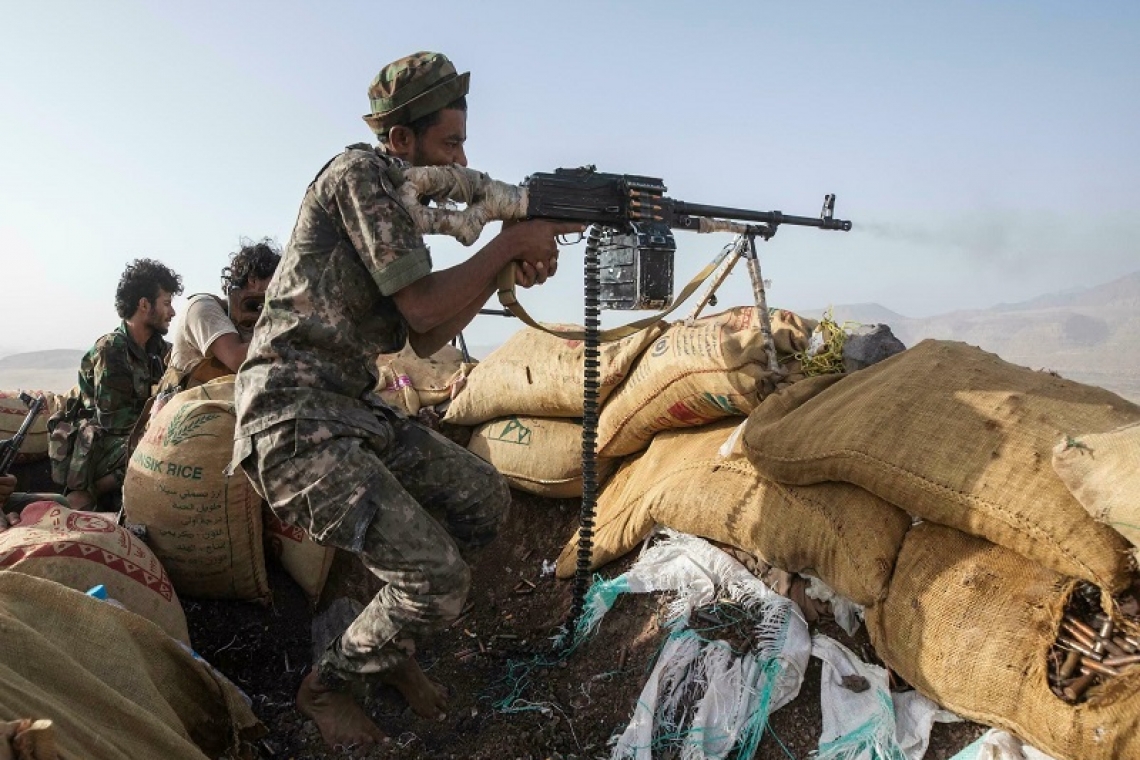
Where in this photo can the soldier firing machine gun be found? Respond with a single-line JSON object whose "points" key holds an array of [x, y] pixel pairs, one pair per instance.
{"points": [[628, 264]]}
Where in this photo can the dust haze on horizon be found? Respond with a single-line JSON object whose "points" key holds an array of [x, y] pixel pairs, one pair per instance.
{"points": [[985, 152]]}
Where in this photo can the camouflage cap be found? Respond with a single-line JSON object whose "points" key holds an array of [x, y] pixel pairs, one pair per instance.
{"points": [[413, 87]]}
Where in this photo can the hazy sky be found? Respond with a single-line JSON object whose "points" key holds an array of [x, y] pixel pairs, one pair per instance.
{"points": [[986, 152]]}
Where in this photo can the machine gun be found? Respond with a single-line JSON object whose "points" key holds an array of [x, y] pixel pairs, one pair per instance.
{"points": [[10, 448], [631, 213], [636, 249]]}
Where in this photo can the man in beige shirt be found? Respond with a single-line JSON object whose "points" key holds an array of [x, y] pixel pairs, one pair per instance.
{"points": [[213, 338]]}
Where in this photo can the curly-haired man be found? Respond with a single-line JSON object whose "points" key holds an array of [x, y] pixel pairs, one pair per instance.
{"points": [[116, 378], [212, 338]]}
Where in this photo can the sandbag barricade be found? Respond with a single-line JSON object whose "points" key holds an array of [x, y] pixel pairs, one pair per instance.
{"points": [[12, 413], [970, 625], [81, 550], [205, 527], [695, 374], [407, 382], [112, 684], [1102, 471], [539, 456], [956, 436], [835, 531], [540, 375], [306, 561]]}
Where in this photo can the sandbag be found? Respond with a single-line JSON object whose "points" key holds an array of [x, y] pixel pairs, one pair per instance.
{"points": [[970, 625], [112, 683], [540, 375], [539, 456], [407, 382], [306, 561], [957, 436], [834, 531], [1102, 471], [81, 550], [205, 527], [693, 375], [12, 413]]}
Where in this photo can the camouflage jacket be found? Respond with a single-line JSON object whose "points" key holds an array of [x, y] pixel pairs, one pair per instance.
{"points": [[328, 310], [115, 379]]}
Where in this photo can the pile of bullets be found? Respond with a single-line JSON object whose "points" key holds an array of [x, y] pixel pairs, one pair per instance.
{"points": [[1089, 649]]}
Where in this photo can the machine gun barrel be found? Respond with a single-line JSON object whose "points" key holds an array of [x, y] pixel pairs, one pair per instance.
{"points": [[684, 216]]}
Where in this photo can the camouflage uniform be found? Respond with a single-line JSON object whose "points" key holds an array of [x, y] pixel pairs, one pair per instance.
{"points": [[322, 448], [89, 437]]}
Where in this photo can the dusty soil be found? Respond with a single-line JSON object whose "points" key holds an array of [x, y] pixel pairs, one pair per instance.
{"points": [[511, 697]]}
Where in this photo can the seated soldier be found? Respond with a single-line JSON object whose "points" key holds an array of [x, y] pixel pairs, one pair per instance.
{"points": [[213, 337], [88, 439]]}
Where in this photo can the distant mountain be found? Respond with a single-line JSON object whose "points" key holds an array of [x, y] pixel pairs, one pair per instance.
{"points": [[60, 358], [1091, 335], [54, 370]]}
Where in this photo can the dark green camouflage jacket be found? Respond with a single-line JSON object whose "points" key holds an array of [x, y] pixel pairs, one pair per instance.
{"points": [[115, 379], [328, 311]]}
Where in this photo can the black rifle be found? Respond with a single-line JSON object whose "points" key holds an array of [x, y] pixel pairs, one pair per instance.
{"points": [[614, 200], [10, 448], [636, 248]]}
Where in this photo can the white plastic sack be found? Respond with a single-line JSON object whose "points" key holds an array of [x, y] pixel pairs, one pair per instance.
{"points": [[737, 692], [872, 724], [996, 744]]}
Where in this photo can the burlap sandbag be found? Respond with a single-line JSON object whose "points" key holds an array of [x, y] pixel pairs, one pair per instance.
{"points": [[959, 437], [693, 375], [407, 382], [1103, 472], [970, 624], [835, 531], [12, 413], [621, 521], [539, 456], [85, 549], [540, 375], [306, 561], [113, 684], [205, 527]]}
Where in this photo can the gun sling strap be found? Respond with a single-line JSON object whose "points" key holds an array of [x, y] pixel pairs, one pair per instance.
{"points": [[509, 300]]}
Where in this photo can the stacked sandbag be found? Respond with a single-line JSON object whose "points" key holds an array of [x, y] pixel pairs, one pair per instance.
{"points": [[536, 374], [81, 550], [956, 436], [106, 684], [407, 382], [687, 481], [306, 561], [970, 625], [698, 373], [537, 455], [205, 526], [13, 411], [1102, 471]]}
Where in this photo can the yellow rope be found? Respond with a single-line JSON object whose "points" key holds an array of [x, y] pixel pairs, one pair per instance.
{"points": [[829, 361]]}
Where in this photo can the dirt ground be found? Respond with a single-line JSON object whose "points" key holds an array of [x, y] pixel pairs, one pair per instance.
{"points": [[511, 697]]}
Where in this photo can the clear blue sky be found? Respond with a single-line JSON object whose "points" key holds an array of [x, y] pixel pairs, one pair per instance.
{"points": [[986, 151]]}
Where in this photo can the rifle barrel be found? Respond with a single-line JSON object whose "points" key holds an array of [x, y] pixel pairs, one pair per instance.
{"points": [[680, 208]]}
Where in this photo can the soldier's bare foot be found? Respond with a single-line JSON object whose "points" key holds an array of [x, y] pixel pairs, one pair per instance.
{"points": [[342, 722], [425, 696]]}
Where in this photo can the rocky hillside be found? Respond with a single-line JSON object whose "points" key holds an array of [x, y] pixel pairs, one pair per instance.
{"points": [[1090, 335]]}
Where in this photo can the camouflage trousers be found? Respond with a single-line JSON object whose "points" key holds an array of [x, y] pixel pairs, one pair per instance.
{"points": [[83, 454], [409, 503]]}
